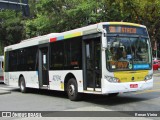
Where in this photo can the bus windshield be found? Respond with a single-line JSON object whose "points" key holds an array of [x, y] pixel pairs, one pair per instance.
{"points": [[128, 53]]}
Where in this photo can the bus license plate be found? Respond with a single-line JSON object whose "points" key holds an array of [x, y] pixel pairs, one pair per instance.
{"points": [[133, 85]]}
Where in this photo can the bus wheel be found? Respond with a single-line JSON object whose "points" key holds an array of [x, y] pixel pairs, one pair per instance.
{"points": [[22, 85], [72, 90]]}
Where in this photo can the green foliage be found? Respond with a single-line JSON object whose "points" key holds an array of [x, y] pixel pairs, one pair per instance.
{"points": [[48, 16], [38, 26], [11, 28]]}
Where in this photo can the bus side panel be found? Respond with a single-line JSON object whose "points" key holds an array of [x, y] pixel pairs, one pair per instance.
{"points": [[1, 75], [31, 78], [56, 79], [12, 78], [6, 78], [1, 69]]}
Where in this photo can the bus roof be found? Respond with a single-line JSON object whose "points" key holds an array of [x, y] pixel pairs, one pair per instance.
{"points": [[67, 34], [125, 23], [40, 37]]}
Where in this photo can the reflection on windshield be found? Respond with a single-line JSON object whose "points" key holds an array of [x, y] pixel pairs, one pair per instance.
{"points": [[124, 53]]}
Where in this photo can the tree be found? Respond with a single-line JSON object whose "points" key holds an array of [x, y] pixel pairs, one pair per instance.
{"points": [[11, 28]]}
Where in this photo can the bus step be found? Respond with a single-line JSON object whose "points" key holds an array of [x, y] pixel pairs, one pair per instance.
{"points": [[44, 87]]}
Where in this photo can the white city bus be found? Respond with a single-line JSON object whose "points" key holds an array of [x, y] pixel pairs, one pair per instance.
{"points": [[103, 58], [1, 69]]}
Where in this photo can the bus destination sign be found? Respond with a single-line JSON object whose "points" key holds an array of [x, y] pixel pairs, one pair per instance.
{"points": [[123, 29]]}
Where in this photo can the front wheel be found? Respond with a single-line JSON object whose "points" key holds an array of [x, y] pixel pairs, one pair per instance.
{"points": [[72, 90], [22, 85]]}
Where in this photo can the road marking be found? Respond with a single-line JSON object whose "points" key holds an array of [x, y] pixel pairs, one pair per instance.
{"points": [[156, 73], [148, 91], [157, 83]]}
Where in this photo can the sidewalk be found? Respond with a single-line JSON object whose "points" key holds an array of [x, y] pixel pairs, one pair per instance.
{"points": [[156, 73]]}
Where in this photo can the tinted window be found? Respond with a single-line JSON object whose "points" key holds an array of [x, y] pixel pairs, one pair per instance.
{"points": [[13, 60], [22, 59], [66, 54], [6, 61], [31, 58], [57, 55], [73, 54]]}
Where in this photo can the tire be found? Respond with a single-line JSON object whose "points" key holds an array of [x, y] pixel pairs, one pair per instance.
{"points": [[72, 90], [22, 85]]}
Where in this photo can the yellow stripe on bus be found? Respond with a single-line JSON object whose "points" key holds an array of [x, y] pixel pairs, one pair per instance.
{"points": [[124, 23], [73, 35]]}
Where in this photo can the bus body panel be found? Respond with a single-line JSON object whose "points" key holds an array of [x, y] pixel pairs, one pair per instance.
{"points": [[126, 87], [1, 76], [131, 76], [56, 79], [11, 79], [1, 69], [30, 77]]}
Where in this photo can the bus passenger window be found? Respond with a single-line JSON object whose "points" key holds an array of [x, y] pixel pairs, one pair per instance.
{"points": [[30, 60]]}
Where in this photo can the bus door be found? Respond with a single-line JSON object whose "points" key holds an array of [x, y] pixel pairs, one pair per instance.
{"points": [[92, 63], [43, 67]]}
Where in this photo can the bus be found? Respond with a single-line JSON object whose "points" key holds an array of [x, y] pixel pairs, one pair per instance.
{"points": [[105, 58], [1, 69]]}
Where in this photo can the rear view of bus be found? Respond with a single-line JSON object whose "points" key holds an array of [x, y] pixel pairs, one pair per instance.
{"points": [[1, 69]]}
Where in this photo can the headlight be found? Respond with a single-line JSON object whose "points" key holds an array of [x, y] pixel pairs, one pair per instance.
{"points": [[148, 77], [112, 79]]}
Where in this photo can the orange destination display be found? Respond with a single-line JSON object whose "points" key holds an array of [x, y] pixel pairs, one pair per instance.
{"points": [[125, 30], [114, 29]]}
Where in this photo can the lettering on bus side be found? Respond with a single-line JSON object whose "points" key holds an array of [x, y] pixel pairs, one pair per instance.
{"points": [[13, 77], [56, 78]]}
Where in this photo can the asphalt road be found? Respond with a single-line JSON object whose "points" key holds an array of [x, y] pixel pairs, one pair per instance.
{"points": [[44, 100]]}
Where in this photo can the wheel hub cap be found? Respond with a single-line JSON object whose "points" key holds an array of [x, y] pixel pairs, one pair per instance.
{"points": [[71, 90]]}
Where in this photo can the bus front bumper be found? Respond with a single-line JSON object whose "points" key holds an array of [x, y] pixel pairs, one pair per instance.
{"points": [[108, 87]]}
